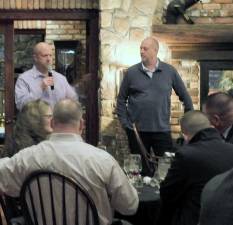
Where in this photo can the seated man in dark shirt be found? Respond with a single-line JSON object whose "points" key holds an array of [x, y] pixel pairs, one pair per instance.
{"points": [[205, 156]]}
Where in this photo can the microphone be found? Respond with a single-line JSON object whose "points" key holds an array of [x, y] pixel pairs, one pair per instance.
{"points": [[50, 75]]}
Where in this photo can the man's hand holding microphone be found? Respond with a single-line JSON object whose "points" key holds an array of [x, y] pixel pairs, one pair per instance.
{"points": [[48, 80]]}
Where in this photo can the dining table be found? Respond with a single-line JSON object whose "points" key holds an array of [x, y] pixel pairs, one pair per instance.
{"points": [[148, 209]]}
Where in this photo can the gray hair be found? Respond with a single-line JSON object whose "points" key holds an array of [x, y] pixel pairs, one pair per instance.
{"points": [[67, 112]]}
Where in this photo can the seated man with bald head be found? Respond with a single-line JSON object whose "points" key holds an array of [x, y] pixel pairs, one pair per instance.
{"points": [[41, 82], [219, 109], [204, 156], [65, 152]]}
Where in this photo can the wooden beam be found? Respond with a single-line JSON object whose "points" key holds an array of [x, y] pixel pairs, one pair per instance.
{"points": [[9, 75], [49, 14], [197, 33], [93, 67], [203, 55]]}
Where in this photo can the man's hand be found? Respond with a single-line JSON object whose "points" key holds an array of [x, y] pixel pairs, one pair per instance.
{"points": [[47, 82]]}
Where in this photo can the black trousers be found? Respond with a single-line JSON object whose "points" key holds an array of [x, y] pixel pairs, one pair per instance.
{"points": [[159, 142]]}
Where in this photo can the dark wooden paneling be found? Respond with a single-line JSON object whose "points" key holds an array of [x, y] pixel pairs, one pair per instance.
{"points": [[93, 67], [9, 75], [202, 55]]}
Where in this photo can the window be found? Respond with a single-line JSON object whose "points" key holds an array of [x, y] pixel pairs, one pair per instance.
{"points": [[66, 59]]}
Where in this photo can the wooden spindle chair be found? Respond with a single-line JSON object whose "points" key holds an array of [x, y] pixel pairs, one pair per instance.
{"points": [[50, 198]]}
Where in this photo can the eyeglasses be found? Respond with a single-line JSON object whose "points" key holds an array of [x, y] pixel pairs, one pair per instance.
{"points": [[48, 115]]}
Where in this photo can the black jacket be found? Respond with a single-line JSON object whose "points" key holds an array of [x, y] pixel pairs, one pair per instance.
{"points": [[216, 200], [194, 165]]}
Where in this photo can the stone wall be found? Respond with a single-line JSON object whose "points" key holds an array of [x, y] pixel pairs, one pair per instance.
{"points": [[212, 12]]}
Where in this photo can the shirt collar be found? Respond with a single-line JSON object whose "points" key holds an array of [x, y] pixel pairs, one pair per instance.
{"points": [[65, 137], [36, 72], [148, 70], [226, 132]]}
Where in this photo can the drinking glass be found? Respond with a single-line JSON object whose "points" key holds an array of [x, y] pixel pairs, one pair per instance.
{"points": [[132, 168], [163, 166]]}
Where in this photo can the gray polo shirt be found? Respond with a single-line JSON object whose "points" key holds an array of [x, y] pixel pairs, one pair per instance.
{"points": [[147, 101]]}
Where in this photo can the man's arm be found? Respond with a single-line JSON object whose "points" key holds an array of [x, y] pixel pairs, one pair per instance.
{"points": [[9, 177], [123, 196], [181, 91], [14, 170], [121, 108], [23, 93]]}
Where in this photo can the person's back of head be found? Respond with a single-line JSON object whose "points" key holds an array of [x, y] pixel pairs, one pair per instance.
{"points": [[217, 102], [67, 116], [219, 109], [192, 122]]}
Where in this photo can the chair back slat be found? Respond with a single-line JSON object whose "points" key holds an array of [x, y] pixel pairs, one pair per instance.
{"points": [[41, 202], [64, 201], [58, 200], [76, 206], [32, 207], [52, 200]]}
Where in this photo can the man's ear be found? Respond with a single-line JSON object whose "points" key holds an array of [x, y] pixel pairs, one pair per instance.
{"points": [[215, 120], [52, 123], [34, 57], [81, 126]]}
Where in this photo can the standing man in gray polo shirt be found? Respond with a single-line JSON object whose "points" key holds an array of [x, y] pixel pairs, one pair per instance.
{"points": [[145, 99], [40, 83]]}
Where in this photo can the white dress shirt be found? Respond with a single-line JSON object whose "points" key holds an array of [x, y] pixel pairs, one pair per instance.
{"points": [[94, 168]]}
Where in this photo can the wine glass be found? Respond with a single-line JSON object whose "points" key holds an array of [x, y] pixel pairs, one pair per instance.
{"points": [[135, 170], [127, 165]]}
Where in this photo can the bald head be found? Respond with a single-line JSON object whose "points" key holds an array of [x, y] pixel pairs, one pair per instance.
{"points": [[192, 122], [42, 55], [149, 50], [40, 47], [152, 41]]}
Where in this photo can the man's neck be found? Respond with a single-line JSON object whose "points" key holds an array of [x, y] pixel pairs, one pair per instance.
{"points": [[44, 71], [66, 129], [150, 65]]}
